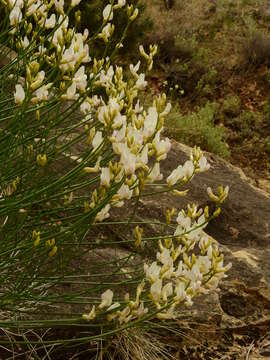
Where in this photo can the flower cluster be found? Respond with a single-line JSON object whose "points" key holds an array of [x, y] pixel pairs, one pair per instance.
{"points": [[122, 125], [124, 146], [187, 264]]}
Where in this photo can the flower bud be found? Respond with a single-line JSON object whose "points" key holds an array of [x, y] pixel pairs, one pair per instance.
{"points": [[41, 160]]}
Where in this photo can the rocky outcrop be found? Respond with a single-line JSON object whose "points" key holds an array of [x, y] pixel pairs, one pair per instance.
{"points": [[236, 320]]}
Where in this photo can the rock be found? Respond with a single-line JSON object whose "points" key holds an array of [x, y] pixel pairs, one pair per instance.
{"points": [[230, 319], [242, 306]]}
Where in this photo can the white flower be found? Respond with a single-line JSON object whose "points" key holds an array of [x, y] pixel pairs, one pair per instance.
{"points": [[204, 264], [119, 45], [184, 221], [25, 42], [50, 22], [19, 3], [134, 15], [105, 177], [59, 6], [106, 78], [15, 16], [80, 78], [42, 93], [106, 299], [124, 315], [134, 69], [107, 32], [165, 257], [138, 109], [114, 306], [204, 165], [209, 252], [155, 290], [188, 169], [104, 213], [167, 291], [155, 174], [85, 34], [195, 276], [152, 272], [141, 310], [118, 121], [225, 192], [32, 8], [181, 172], [91, 315], [64, 20], [162, 147], [97, 140], [75, 2], [143, 158], [128, 160], [38, 80], [180, 291], [68, 60], [124, 192], [108, 13], [141, 83], [212, 195], [143, 53], [71, 92], [150, 122], [57, 39], [166, 111], [42, 11], [176, 175], [167, 315], [119, 135], [121, 3], [85, 107], [19, 95], [135, 134]]}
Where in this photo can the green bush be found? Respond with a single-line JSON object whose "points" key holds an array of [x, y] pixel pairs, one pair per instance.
{"points": [[91, 18], [199, 127], [232, 105], [206, 85]]}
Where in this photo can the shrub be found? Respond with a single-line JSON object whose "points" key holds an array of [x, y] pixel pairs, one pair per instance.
{"points": [[78, 151], [207, 84], [199, 128], [232, 105]]}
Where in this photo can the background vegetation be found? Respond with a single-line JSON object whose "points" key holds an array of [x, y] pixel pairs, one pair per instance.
{"points": [[213, 62]]}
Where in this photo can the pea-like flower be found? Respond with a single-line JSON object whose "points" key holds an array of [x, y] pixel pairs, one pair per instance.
{"points": [[106, 299], [108, 13], [19, 94]]}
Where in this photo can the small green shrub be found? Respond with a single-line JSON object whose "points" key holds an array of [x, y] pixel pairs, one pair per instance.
{"points": [[199, 127], [232, 105], [248, 126], [206, 85], [185, 65]]}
